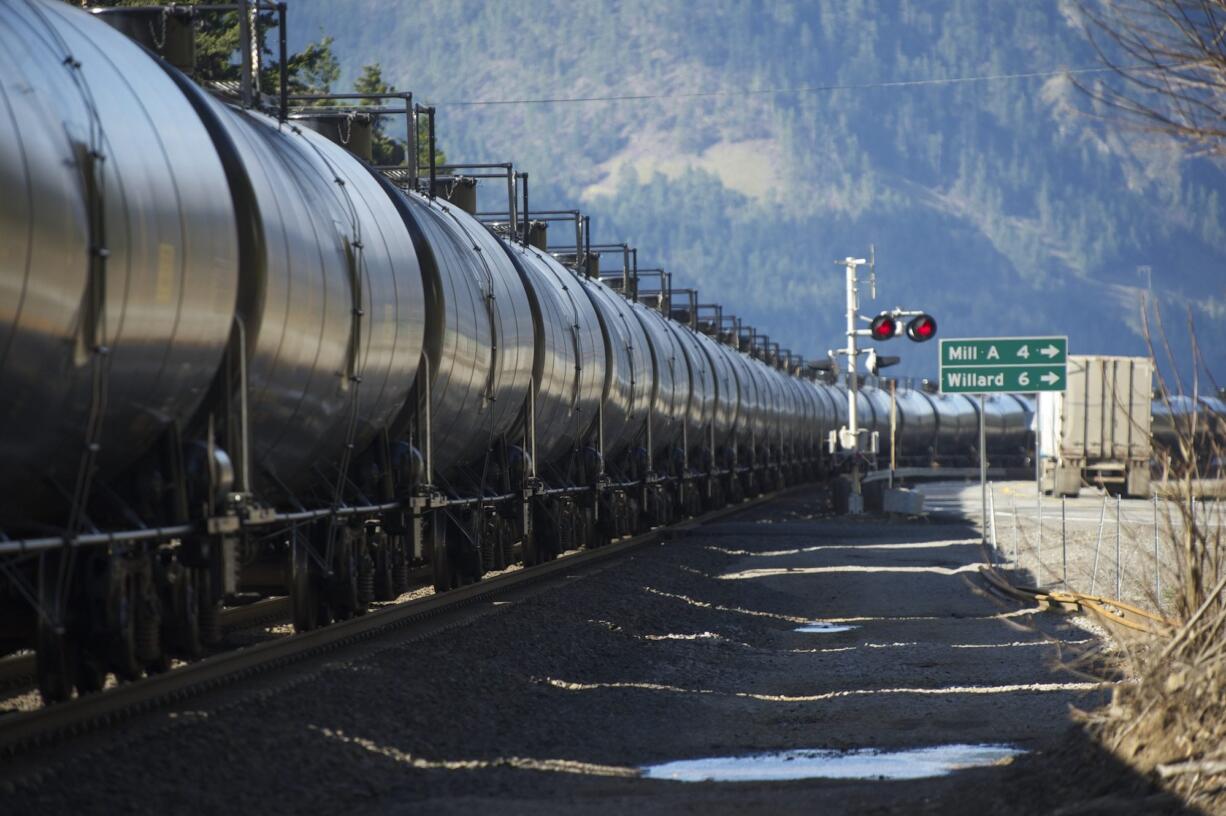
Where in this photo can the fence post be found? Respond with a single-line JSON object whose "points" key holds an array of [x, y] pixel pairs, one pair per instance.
{"points": [[992, 513], [1064, 542], [1157, 562], [1038, 542], [1119, 566], [1102, 516], [1013, 510]]}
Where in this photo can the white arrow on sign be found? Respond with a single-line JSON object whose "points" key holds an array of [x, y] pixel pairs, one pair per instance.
{"points": [[1051, 378], [1049, 351]]}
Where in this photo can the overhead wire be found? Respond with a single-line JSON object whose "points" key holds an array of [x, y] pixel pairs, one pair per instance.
{"points": [[854, 86]]}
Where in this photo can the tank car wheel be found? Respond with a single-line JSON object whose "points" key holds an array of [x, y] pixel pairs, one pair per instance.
{"points": [[366, 580], [503, 542], [360, 567], [491, 543], [149, 642], [506, 539], [734, 492], [186, 595], [210, 608], [91, 674], [587, 529], [400, 569], [530, 557], [385, 568], [303, 590], [607, 526], [345, 595], [473, 547], [633, 516], [124, 600], [441, 568], [56, 655], [693, 505], [466, 554], [554, 532], [540, 528]]}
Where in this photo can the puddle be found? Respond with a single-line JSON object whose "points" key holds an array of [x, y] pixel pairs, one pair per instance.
{"points": [[866, 763], [824, 628]]}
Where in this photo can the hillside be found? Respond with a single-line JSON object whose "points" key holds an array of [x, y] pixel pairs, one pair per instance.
{"points": [[996, 205]]}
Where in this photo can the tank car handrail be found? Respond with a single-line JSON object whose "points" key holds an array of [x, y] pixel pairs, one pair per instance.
{"points": [[32, 545]]}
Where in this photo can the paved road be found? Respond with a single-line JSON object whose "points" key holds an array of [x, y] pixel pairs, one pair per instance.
{"points": [[552, 704], [1020, 498]]}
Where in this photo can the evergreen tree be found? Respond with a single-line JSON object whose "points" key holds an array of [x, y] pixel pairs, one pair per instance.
{"points": [[385, 149]]}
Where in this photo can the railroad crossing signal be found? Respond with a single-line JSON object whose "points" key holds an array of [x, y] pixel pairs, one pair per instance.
{"points": [[883, 327], [1003, 365], [921, 328], [886, 325]]}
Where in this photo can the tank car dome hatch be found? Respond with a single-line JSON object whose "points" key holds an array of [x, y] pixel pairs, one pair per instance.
{"points": [[169, 32], [538, 235], [351, 130], [159, 294], [458, 191]]}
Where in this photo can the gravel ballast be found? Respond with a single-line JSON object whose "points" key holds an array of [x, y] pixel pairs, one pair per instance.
{"points": [[687, 649]]}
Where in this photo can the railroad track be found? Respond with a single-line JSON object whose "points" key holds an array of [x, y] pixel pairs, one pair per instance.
{"points": [[1114, 613], [17, 672], [51, 724]]}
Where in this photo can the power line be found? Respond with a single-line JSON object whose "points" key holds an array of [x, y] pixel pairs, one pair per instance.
{"points": [[859, 86]]}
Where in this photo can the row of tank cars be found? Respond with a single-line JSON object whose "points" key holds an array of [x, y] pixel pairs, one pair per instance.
{"points": [[237, 360], [1192, 431]]}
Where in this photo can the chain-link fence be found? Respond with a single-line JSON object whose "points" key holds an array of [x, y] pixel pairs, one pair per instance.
{"points": [[1098, 544]]}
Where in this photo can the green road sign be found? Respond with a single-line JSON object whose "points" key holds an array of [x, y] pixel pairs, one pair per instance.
{"points": [[989, 379], [1004, 351], [1003, 365]]}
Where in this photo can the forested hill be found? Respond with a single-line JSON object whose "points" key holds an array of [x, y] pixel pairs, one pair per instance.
{"points": [[996, 205]]}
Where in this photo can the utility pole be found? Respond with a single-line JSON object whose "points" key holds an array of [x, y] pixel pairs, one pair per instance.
{"points": [[849, 436]]}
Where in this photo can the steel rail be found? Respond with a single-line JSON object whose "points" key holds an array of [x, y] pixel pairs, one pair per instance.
{"points": [[19, 672], [89, 713], [1116, 613]]}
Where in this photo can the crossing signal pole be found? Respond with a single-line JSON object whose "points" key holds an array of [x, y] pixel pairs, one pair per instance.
{"points": [[885, 326]]}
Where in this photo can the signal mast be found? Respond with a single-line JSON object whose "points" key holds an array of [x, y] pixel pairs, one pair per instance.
{"points": [[886, 325]]}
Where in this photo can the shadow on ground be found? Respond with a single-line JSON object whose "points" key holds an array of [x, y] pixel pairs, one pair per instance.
{"points": [[553, 703]]}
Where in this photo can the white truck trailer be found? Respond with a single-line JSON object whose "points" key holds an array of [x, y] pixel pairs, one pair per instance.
{"points": [[1097, 431]]}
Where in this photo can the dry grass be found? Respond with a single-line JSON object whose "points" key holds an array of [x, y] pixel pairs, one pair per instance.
{"points": [[1168, 719]]}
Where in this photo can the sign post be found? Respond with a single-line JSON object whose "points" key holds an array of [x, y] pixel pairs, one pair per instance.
{"points": [[1003, 365]]}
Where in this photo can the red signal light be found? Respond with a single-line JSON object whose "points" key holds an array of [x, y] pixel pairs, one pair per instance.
{"points": [[921, 328], [883, 327]]}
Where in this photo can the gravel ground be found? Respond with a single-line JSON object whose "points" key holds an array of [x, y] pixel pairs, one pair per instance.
{"points": [[550, 703]]}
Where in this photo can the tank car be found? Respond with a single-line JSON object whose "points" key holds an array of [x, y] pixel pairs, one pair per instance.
{"points": [[1191, 431]]}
